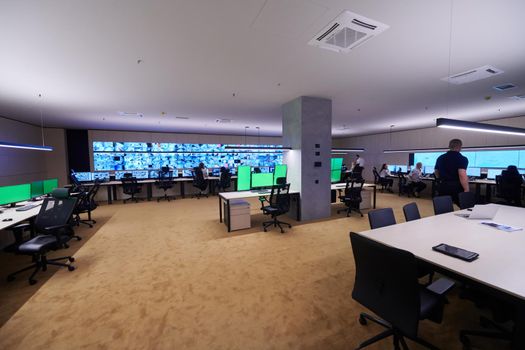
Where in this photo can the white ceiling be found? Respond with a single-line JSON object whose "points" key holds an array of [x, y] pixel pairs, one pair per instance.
{"points": [[82, 57]]}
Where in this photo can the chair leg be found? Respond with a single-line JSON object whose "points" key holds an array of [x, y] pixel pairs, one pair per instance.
{"points": [[376, 338]]}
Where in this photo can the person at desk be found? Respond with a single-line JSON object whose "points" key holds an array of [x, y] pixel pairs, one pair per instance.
{"points": [[415, 177], [384, 173], [510, 186], [451, 171], [204, 170]]}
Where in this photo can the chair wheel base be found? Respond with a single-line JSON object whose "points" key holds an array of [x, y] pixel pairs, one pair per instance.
{"points": [[71, 268], [362, 321], [71, 259]]}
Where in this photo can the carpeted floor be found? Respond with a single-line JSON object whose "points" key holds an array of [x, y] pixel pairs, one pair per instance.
{"points": [[168, 276]]}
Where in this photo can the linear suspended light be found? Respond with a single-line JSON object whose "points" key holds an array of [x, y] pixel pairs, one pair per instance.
{"points": [[25, 146], [257, 148], [480, 127], [342, 150], [471, 148]]}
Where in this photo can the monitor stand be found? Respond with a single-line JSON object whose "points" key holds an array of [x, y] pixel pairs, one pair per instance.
{"points": [[14, 205]]}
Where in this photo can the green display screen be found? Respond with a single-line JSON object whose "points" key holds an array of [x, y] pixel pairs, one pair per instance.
{"points": [[280, 171], [336, 165], [50, 185], [243, 177], [37, 189], [262, 180], [15, 193]]}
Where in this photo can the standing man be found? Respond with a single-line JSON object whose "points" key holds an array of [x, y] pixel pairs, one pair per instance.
{"points": [[451, 171], [359, 161], [415, 177]]}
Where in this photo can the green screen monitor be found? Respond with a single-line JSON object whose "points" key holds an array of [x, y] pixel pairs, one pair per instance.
{"points": [[260, 180], [37, 189], [50, 185], [280, 171], [336, 166], [243, 178], [13, 194]]}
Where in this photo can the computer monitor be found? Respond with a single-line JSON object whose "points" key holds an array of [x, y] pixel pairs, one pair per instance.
{"points": [[50, 185], [474, 172], [140, 174], [216, 172], [280, 171], [336, 166], [491, 173], [402, 167], [15, 193], [187, 173], [261, 180], [103, 176], [120, 174], [428, 169], [37, 189], [521, 171], [392, 168], [84, 177], [243, 177]]}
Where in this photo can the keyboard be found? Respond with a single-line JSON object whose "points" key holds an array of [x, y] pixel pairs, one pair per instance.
{"points": [[27, 207]]}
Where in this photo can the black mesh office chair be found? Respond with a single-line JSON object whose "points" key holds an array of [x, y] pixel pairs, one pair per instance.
{"points": [[86, 204], [131, 187], [404, 187], [225, 180], [508, 186], [442, 204], [411, 212], [54, 227], [386, 282], [278, 204], [381, 218], [352, 196], [377, 179], [200, 183], [466, 200], [165, 182]]}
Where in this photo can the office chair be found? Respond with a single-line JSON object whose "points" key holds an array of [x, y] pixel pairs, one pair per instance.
{"points": [[381, 218], [501, 311], [352, 197], [165, 182], [278, 204], [442, 204], [131, 187], [386, 283], [199, 182], [54, 225], [509, 188], [466, 200], [86, 204], [411, 212], [404, 186], [377, 180], [224, 181]]}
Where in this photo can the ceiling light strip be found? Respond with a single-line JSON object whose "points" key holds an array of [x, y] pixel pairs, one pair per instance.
{"points": [[479, 127], [347, 150], [25, 146], [472, 148]]}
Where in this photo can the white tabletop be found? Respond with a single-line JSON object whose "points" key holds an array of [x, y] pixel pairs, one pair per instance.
{"points": [[17, 216], [247, 194], [501, 259], [342, 186]]}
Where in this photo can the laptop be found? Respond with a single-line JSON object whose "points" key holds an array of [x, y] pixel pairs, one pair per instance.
{"points": [[481, 212]]}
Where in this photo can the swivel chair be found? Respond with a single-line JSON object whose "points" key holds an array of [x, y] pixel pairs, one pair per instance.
{"points": [[54, 225], [200, 183], [377, 180], [411, 212], [278, 204], [224, 180], [404, 186], [165, 182], [386, 283], [442, 204], [466, 200], [130, 186], [352, 197], [86, 204]]}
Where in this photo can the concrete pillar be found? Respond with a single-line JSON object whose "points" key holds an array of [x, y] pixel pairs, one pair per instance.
{"points": [[307, 129]]}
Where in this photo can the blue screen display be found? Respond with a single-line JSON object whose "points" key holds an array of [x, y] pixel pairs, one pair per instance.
{"points": [[480, 159], [120, 156]]}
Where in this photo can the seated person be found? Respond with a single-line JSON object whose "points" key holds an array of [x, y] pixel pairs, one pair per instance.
{"points": [[415, 177], [383, 177]]}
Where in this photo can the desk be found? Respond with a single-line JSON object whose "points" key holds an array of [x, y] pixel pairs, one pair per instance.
{"points": [[342, 186], [226, 197], [499, 268], [18, 216]]}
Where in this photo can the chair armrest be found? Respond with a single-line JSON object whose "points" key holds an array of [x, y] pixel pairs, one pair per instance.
{"points": [[441, 286], [22, 226], [53, 228]]}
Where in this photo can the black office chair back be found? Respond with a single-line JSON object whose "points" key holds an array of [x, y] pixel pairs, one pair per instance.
{"points": [[381, 218], [509, 187], [377, 178], [442, 204], [198, 179], [411, 212], [127, 175], [353, 190], [225, 179], [386, 283], [165, 180], [280, 198], [54, 212], [466, 200], [281, 181], [130, 185]]}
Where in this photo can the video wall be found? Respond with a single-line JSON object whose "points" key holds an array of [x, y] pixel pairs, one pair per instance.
{"points": [[116, 156], [480, 159]]}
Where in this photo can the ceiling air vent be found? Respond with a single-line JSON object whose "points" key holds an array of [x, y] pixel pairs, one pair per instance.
{"points": [[504, 87], [223, 121], [131, 114], [347, 31], [473, 75]]}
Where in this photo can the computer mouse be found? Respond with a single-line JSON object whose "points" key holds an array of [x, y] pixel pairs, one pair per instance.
{"points": [[8, 219]]}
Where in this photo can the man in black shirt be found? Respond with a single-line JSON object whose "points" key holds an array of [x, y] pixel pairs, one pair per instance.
{"points": [[451, 171]]}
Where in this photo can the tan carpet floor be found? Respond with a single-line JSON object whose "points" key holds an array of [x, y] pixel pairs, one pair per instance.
{"points": [[168, 276]]}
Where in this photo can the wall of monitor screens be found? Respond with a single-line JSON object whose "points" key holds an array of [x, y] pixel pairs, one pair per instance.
{"points": [[480, 159], [119, 156]]}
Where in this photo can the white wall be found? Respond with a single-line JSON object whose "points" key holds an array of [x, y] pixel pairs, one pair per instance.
{"points": [[423, 138]]}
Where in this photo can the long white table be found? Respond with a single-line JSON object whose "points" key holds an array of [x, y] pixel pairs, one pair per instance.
{"points": [[17, 216], [501, 263]]}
